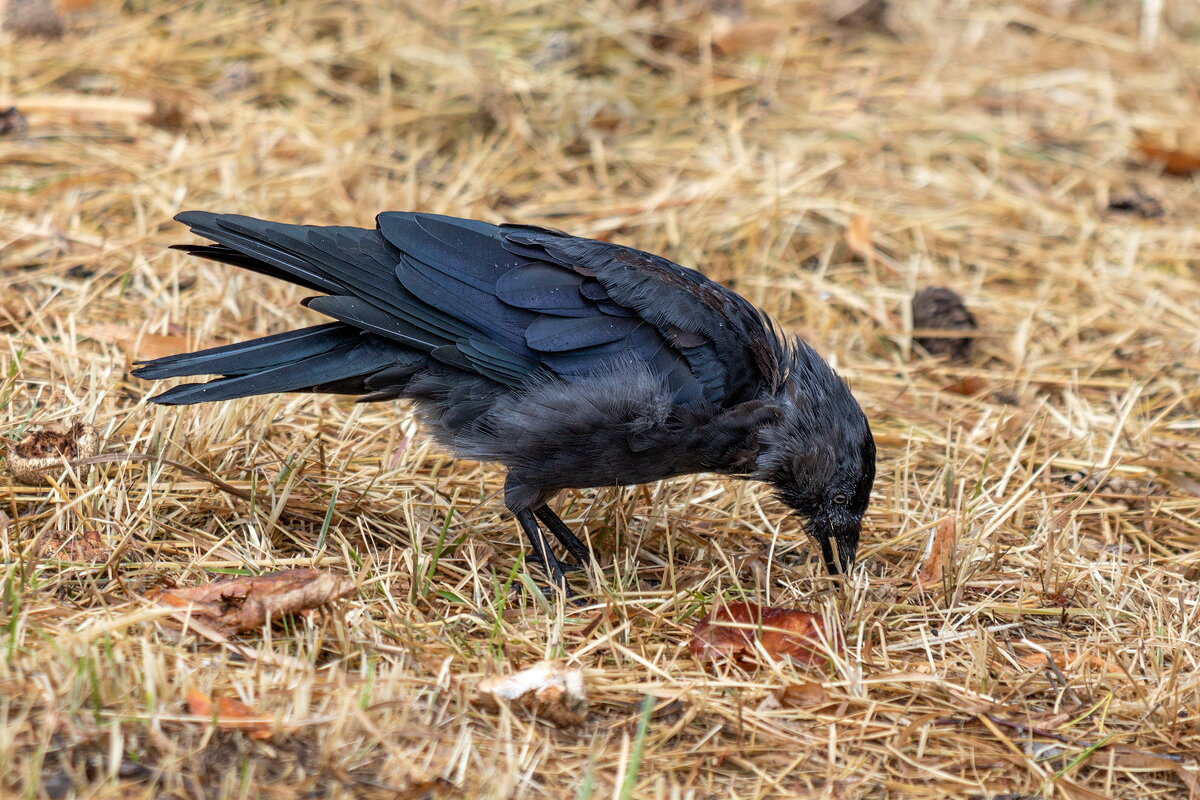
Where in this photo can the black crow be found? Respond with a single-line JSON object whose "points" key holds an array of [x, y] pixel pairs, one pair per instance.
{"points": [[572, 362]]}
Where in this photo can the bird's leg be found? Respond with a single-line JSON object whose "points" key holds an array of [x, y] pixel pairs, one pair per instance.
{"points": [[576, 548], [540, 549]]}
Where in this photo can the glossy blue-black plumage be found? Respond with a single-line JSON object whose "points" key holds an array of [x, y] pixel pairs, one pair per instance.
{"points": [[571, 361], [509, 303]]}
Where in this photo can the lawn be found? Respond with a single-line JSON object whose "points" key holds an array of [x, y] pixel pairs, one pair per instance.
{"points": [[1036, 157]]}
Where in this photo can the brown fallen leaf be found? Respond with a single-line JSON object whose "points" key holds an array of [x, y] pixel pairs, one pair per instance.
{"points": [[133, 342], [803, 695], [937, 308], [938, 552], [73, 7], [247, 603], [737, 631], [547, 689], [1124, 757], [969, 386], [858, 238], [1179, 163], [1070, 663], [88, 546], [42, 451], [1182, 482], [736, 37], [231, 714]]}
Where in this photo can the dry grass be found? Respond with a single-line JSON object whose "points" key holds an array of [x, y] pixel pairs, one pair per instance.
{"points": [[981, 144]]}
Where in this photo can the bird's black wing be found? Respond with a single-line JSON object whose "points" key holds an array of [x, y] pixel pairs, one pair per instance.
{"points": [[510, 303], [732, 349], [530, 304]]}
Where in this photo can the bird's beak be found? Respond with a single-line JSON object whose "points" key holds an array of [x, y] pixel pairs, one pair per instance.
{"points": [[831, 562], [839, 545], [847, 546]]}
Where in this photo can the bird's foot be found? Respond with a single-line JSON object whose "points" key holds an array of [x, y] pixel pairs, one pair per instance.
{"points": [[565, 566]]}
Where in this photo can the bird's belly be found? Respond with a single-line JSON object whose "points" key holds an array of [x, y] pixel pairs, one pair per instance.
{"points": [[601, 466]]}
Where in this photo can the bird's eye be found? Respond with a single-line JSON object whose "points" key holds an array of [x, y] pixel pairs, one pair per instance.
{"points": [[841, 499]]}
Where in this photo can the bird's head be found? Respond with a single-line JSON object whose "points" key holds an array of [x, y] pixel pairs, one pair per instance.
{"points": [[820, 456]]}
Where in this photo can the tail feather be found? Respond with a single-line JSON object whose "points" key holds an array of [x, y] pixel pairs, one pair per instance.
{"points": [[343, 368], [382, 325], [244, 358], [335, 357]]}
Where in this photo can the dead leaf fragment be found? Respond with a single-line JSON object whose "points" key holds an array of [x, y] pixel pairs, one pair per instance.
{"points": [[1179, 163], [734, 38], [858, 238], [44, 449], [231, 714], [803, 695], [943, 309], [938, 551], [547, 689], [246, 603], [1129, 758], [741, 631], [87, 546], [969, 386], [1070, 663], [1183, 482]]}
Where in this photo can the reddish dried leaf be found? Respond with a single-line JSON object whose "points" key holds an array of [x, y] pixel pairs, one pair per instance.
{"points": [[231, 714], [939, 551], [740, 631], [246, 603], [1173, 162], [969, 386], [736, 38], [79, 6], [1070, 663], [858, 237], [199, 703], [135, 343], [803, 695]]}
